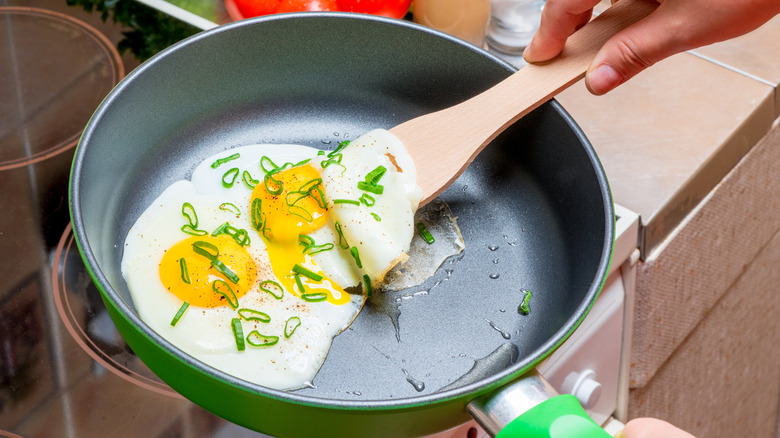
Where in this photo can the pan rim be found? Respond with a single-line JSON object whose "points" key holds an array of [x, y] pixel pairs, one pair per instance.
{"points": [[522, 366]]}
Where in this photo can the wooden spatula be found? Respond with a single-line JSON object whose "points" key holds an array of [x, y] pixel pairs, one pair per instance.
{"points": [[445, 142]]}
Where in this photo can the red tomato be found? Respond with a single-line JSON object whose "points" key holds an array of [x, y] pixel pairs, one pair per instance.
{"points": [[307, 5], [388, 8], [253, 8]]}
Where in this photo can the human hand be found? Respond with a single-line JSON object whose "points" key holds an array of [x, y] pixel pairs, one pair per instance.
{"points": [[651, 428], [674, 27]]}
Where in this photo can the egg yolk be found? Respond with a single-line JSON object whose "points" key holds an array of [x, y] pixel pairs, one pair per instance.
{"points": [[298, 209], [196, 278]]}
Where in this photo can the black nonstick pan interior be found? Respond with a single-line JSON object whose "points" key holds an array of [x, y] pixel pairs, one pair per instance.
{"points": [[534, 208]]}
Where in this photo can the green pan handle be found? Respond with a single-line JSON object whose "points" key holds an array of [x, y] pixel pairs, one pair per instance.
{"points": [[559, 417], [531, 408]]}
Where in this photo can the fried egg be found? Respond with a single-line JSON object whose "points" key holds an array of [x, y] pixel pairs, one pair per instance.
{"points": [[258, 261]]}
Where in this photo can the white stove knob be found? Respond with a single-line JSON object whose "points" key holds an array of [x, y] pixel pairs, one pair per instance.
{"points": [[583, 386]]}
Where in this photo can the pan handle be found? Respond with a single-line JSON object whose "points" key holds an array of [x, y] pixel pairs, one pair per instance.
{"points": [[531, 408]]}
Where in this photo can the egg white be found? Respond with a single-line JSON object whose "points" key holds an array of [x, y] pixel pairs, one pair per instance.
{"points": [[206, 333], [383, 231]]}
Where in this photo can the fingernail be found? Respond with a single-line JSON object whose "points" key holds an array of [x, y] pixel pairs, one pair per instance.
{"points": [[603, 79]]}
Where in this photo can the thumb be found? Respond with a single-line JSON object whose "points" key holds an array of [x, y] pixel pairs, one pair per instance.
{"points": [[632, 50]]}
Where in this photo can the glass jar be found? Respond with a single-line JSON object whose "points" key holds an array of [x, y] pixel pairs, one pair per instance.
{"points": [[513, 24], [465, 19]]}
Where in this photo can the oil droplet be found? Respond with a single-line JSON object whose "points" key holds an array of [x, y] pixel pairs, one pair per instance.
{"points": [[326, 142], [494, 275], [504, 334], [492, 247], [358, 393], [495, 261], [416, 384]]}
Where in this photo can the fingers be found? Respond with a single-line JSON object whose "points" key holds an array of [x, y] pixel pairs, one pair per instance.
{"points": [[634, 49], [560, 19], [652, 428]]}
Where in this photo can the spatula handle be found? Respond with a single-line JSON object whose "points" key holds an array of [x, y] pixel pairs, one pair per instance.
{"points": [[477, 121]]}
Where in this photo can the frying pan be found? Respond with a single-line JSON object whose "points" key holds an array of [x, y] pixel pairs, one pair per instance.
{"points": [[534, 209]]}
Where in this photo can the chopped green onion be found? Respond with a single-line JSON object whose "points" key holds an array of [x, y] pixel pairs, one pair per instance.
{"points": [[229, 295], [375, 175], [300, 212], [185, 275], [189, 212], [301, 289], [422, 230], [229, 178], [367, 199], [254, 315], [267, 165], [320, 152], [309, 246], [240, 235], [342, 241], [256, 339], [293, 198], [310, 185], [320, 198], [273, 191], [206, 249], [248, 180], [187, 228], [356, 256], [222, 229], [335, 159], [224, 270], [211, 252], [238, 333], [290, 325], [376, 217], [367, 285], [181, 311], [222, 161], [523, 308], [308, 189], [339, 148], [230, 207], [314, 249], [315, 297], [298, 269], [346, 201], [306, 241], [278, 291], [258, 218], [375, 189], [302, 162]]}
